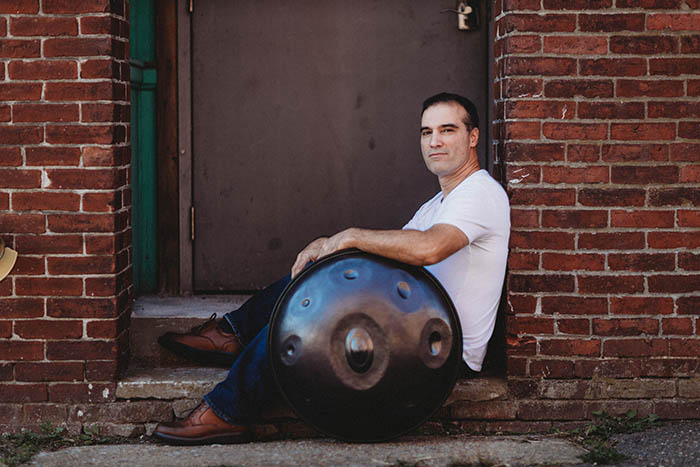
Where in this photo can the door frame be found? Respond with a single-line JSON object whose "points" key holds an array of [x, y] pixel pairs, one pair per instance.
{"points": [[184, 112], [185, 139]]}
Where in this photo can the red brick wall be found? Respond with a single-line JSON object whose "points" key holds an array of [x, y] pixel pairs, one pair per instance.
{"points": [[598, 130], [598, 134], [64, 203]]}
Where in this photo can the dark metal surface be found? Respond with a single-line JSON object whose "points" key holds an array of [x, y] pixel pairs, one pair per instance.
{"points": [[306, 119], [364, 348]]}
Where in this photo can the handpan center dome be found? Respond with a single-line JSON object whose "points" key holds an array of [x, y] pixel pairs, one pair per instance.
{"points": [[359, 350]]}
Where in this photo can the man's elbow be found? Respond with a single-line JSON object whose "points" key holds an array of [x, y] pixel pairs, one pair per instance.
{"points": [[431, 254], [436, 250]]}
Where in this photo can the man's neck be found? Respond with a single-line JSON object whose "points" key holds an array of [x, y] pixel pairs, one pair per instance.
{"points": [[450, 182]]}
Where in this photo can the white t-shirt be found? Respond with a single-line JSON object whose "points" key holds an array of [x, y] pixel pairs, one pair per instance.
{"points": [[473, 276]]}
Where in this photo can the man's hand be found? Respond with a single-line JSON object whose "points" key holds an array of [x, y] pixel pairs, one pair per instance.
{"points": [[310, 253], [321, 247]]}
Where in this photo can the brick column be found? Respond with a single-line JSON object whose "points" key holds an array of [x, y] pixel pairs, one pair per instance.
{"points": [[64, 204], [598, 126]]}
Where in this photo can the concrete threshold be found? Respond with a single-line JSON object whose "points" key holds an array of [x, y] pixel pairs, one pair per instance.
{"points": [[195, 306]]}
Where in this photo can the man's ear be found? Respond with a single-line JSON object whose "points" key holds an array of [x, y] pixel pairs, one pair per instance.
{"points": [[473, 137]]}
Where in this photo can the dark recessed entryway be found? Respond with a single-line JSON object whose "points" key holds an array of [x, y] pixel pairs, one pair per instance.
{"points": [[278, 123]]}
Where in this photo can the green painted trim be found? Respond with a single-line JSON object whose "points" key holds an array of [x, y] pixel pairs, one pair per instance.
{"points": [[143, 76], [144, 171], [142, 23]]}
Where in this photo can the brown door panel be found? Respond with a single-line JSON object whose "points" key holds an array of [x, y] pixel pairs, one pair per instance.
{"points": [[305, 121]]}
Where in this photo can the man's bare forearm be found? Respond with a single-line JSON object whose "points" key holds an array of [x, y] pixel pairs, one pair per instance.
{"points": [[408, 246], [415, 247]]}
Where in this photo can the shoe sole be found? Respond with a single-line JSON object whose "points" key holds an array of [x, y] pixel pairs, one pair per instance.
{"points": [[236, 438], [200, 356]]}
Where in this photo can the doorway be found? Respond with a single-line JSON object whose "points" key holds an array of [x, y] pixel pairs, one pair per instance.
{"points": [[387, 117], [304, 120]]}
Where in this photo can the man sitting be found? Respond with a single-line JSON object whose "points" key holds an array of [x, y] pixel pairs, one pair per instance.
{"points": [[460, 236]]}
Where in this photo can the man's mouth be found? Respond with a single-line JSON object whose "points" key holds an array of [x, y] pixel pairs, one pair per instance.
{"points": [[437, 154]]}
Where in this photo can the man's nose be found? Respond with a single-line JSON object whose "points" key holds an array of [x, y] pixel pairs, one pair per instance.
{"points": [[435, 139]]}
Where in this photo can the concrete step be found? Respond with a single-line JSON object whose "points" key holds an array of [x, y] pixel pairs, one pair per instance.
{"points": [[195, 306], [182, 388], [148, 396], [193, 383], [153, 316], [176, 391], [168, 383]]}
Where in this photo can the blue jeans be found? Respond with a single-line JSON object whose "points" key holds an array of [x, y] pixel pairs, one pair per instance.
{"points": [[239, 398]]}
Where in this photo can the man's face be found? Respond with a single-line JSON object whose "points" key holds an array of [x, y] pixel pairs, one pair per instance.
{"points": [[445, 139]]}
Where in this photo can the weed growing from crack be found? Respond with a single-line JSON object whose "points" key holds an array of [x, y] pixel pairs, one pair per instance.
{"points": [[596, 436], [18, 448]]}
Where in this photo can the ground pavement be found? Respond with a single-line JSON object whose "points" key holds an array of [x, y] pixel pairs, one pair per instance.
{"points": [[673, 444]]}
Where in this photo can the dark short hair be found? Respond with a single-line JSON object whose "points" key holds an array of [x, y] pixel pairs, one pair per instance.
{"points": [[472, 120]]}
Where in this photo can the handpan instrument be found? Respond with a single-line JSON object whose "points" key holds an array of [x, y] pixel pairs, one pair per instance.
{"points": [[364, 348]]}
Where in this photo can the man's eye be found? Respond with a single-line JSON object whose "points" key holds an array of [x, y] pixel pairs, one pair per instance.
{"points": [[425, 133], [447, 130]]}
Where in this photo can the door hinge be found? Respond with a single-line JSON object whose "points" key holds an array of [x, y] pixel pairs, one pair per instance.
{"points": [[192, 223], [191, 6]]}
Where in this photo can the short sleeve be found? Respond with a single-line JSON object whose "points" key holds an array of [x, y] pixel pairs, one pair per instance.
{"points": [[467, 210]]}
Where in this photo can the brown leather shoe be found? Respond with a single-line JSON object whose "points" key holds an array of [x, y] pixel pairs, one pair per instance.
{"points": [[205, 343], [201, 426]]}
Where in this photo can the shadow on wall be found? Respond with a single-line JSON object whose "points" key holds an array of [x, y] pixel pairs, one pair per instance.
{"points": [[495, 360]]}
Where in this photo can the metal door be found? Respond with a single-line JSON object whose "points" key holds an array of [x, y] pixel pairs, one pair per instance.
{"points": [[305, 120]]}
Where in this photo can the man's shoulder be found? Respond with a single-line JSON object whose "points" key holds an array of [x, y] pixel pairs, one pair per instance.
{"points": [[482, 185], [482, 177], [484, 201]]}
